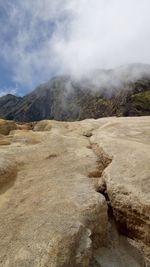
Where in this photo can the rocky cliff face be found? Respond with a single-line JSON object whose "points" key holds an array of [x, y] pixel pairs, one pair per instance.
{"points": [[75, 194]]}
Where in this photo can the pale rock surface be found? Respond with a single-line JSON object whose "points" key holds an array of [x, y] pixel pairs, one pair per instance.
{"points": [[127, 178], [7, 126], [48, 216], [50, 212]]}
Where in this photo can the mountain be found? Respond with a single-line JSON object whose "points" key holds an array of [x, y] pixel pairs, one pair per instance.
{"points": [[124, 91]]}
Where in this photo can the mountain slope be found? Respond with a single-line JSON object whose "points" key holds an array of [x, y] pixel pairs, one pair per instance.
{"points": [[63, 98]]}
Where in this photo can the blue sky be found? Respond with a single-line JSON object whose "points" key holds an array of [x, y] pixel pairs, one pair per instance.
{"points": [[42, 39], [22, 37]]}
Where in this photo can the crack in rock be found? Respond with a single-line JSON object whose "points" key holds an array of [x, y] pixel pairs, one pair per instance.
{"points": [[120, 251]]}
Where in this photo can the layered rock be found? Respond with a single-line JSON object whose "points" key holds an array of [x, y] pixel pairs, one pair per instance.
{"points": [[52, 215], [66, 177], [128, 177], [7, 126]]}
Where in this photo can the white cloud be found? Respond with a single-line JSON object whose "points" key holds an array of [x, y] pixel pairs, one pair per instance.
{"points": [[87, 35], [5, 91]]}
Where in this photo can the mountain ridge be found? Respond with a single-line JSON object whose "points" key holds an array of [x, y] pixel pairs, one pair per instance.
{"points": [[107, 93]]}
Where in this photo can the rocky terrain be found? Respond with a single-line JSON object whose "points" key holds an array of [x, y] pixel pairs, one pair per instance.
{"points": [[75, 194], [105, 93]]}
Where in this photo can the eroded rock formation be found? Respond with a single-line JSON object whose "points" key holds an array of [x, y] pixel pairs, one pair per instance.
{"points": [[75, 194]]}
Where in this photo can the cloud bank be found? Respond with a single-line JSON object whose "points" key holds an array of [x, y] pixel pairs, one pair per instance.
{"points": [[41, 39]]}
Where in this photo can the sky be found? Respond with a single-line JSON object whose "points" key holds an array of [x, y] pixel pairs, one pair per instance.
{"points": [[43, 39]]}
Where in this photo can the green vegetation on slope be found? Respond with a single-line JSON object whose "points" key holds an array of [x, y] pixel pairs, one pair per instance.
{"points": [[141, 101]]}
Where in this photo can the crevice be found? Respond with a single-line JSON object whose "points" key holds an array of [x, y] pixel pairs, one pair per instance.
{"points": [[103, 190], [118, 244], [103, 161]]}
